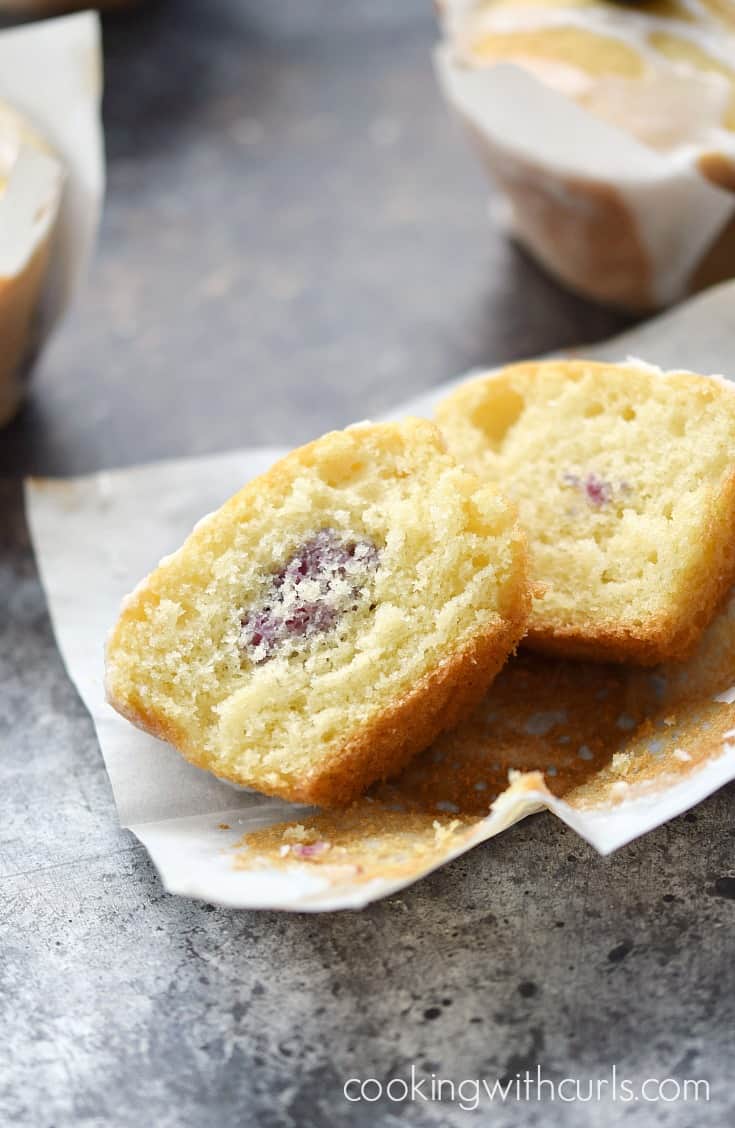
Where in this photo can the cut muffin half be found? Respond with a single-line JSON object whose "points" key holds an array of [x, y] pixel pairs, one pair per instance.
{"points": [[625, 481], [330, 619]]}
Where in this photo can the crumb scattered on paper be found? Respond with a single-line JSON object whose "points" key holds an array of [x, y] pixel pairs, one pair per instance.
{"points": [[363, 842]]}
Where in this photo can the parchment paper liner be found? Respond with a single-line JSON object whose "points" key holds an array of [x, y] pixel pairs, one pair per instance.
{"points": [[50, 72], [607, 215], [96, 536], [10, 9]]}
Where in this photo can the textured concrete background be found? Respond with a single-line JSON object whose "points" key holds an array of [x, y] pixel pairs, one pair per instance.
{"points": [[296, 236]]}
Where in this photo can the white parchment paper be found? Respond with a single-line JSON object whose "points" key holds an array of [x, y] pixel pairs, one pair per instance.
{"points": [[96, 536]]}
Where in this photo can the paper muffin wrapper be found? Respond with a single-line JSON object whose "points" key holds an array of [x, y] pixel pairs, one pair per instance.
{"points": [[50, 73], [10, 9], [613, 752], [611, 218]]}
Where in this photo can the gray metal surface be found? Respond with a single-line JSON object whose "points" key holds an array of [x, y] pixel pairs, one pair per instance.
{"points": [[296, 236]]}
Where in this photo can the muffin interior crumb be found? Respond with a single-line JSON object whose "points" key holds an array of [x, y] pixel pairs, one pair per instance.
{"points": [[326, 577]]}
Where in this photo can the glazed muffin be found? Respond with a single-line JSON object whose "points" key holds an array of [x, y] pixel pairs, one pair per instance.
{"points": [[611, 136], [662, 70], [330, 619], [27, 229], [625, 484]]}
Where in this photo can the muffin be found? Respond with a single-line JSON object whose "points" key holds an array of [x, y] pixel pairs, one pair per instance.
{"points": [[621, 181], [330, 619], [663, 70], [625, 484], [30, 193]]}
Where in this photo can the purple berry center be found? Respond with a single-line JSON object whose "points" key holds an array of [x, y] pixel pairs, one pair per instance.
{"points": [[596, 491], [325, 577]]}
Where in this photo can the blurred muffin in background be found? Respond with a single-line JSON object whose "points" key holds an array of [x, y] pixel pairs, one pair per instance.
{"points": [[31, 179], [661, 71], [664, 70]]}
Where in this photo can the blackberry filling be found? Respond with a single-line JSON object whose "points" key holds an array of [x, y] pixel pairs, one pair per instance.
{"points": [[328, 575], [596, 491]]}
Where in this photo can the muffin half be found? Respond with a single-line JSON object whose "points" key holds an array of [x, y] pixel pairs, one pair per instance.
{"points": [[330, 619], [624, 478]]}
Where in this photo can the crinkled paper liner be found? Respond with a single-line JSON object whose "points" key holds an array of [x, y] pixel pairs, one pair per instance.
{"points": [[23, 8], [51, 73], [612, 751], [610, 217]]}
